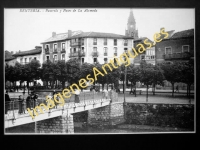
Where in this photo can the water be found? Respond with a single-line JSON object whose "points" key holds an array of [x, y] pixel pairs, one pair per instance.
{"points": [[117, 129]]}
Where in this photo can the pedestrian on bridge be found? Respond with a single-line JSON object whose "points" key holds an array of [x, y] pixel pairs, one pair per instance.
{"points": [[105, 93], [28, 101], [77, 94], [7, 102], [20, 101]]}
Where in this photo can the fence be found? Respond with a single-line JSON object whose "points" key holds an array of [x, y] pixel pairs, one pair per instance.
{"points": [[19, 107]]}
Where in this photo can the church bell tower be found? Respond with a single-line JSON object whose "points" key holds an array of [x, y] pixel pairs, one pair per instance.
{"points": [[131, 26]]}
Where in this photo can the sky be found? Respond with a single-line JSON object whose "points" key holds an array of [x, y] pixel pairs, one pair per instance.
{"points": [[25, 30]]}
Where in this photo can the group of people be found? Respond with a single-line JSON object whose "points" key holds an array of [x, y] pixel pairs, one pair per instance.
{"points": [[30, 102]]}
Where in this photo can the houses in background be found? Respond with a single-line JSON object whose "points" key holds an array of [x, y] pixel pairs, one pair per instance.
{"points": [[90, 47], [179, 47]]}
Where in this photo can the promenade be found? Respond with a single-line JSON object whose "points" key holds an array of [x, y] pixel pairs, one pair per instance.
{"points": [[161, 96]]}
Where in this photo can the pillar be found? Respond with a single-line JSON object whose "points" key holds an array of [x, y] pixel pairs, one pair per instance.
{"points": [[61, 124]]}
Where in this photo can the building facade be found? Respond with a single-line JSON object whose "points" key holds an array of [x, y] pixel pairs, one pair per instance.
{"points": [[90, 47], [179, 47]]}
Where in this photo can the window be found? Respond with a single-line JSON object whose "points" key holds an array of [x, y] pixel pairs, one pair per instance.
{"points": [[94, 49], [115, 49], [125, 42], [55, 58], [74, 50], [126, 50], [105, 60], [82, 60], [21, 60], [63, 46], [82, 49], [115, 42], [55, 47], [95, 60], [25, 59], [185, 48], [105, 41], [105, 49], [46, 48], [35, 58], [47, 57], [142, 57], [63, 56], [168, 50], [132, 34], [30, 58], [82, 41], [95, 41]]}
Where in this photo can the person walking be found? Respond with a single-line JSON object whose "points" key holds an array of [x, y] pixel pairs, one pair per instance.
{"points": [[35, 98], [20, 100], [77, 94], [23, 106], [105, 93], [28, 101], [7, 102], [177, 90]]}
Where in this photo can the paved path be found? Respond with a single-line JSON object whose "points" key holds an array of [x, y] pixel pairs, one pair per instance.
{"points": [[155, 99]]}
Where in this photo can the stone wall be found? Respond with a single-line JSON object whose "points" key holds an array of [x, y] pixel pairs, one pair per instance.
{"points": [[108, 115], [61, 124], [171, 115]]}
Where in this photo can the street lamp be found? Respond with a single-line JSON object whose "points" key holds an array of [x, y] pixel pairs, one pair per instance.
{"points": [[125, 72]]}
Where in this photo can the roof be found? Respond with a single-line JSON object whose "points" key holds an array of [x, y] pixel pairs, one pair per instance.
{"points": [[8, 56], [29, 52], [100, 35], [183, 34], [141, 40], [80, 34]]}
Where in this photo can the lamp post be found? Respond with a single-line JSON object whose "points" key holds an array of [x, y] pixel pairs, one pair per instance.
{"points": [[125, 71]]}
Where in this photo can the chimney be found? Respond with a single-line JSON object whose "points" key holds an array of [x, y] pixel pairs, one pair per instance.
{"points": [[161, 28], [69, 33], [38, 47], [53, 34]]}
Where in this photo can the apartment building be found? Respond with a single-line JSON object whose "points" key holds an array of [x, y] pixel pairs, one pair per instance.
{"points": [[90, 47]]}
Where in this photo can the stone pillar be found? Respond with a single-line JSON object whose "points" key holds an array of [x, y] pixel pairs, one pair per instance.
{"points": [[108, 115], [61, 124]]}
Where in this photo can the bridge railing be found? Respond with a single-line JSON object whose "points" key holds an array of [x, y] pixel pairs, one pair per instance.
{"points": [[16, 108]]}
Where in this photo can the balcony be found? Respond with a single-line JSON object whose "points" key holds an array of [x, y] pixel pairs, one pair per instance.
{"points": [[74, 54], [185, 55], [46, 51], [75, 43], [115, 54], [95, 54], [55, 51], [81, 54], [63, 51], [105, 54]]}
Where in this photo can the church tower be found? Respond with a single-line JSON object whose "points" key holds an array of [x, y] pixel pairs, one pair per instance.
{"points": [[131, 27]]}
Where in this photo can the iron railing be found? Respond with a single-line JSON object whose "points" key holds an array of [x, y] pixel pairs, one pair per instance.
{"points": [[18, 108]]}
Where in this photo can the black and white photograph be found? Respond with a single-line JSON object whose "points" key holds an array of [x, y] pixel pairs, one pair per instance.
{"points": [[72, 71]]}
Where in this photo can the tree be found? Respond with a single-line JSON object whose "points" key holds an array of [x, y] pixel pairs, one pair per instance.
{"points": [[60, 71], [187, 74], [46, 72], [146, 76], [158, 77], [73, 70], [133, 75], [172, 72], [30, 72]]}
